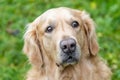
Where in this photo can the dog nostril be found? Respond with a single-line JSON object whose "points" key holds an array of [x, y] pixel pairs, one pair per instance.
{"points": [[72, 45], [64, 47]]}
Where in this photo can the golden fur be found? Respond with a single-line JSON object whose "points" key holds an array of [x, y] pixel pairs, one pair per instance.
{"points": [[43, 49]]}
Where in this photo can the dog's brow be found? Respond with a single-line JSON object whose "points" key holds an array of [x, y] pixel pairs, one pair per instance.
{"points": [[52, 23]]}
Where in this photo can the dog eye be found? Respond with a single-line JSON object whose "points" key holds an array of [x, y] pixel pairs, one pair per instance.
{"points": [[49, 29], [75, 24]]}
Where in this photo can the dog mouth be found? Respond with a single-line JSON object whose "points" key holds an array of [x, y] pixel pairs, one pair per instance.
{"points": [[70, 60]]}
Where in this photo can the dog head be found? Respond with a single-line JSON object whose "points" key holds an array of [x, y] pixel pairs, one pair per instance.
{"points": [[60, 36]]}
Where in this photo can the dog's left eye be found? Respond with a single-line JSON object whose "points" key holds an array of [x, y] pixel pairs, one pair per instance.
{"points": [[49, 29], [75, 24]]}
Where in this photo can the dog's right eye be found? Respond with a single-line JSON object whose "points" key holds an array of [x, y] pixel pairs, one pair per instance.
{"points": [[49, 29]]}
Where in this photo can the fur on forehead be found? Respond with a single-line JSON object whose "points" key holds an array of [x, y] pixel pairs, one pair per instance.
{"points": [[55, 13]]}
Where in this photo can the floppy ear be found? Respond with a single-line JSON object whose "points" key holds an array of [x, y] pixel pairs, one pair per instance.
{"points": [[32, 46], [89, 28]]}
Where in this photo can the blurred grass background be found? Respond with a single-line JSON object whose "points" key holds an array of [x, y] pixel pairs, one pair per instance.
{"points": [[15, 14]]}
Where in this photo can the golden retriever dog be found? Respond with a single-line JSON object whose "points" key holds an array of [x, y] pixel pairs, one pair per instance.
{"points": [[61, 45]]}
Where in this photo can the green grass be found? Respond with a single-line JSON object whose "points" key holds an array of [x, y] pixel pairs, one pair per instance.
{"points": [[16, 14]]}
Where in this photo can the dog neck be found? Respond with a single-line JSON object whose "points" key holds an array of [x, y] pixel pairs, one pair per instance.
{"points": [[66, 73], [70, 72], [86, 68]]}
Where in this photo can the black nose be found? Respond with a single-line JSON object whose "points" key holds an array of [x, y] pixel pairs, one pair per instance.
{"points": [[68, 45]]}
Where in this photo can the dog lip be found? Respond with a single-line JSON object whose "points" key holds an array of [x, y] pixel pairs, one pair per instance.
{"points": [[70, 59]]}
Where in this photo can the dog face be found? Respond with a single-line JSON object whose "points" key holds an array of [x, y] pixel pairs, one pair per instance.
{"points": [[60, 35]]}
